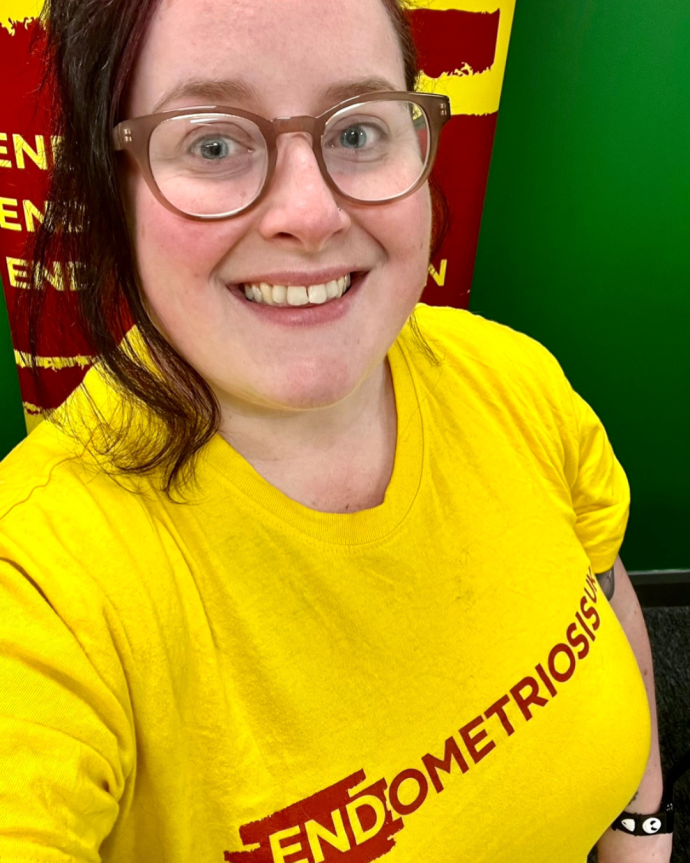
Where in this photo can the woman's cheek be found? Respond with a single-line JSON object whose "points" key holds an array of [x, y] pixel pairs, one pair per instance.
{"points": [[174, 253], [414, 234]]}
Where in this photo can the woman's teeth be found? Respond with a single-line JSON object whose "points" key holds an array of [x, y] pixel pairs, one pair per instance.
{"points": [[282, 295]]}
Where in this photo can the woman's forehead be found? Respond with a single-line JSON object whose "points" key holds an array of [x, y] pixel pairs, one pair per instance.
{"points": [[264, 50]]}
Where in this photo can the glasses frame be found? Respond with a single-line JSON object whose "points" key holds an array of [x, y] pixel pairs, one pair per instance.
{"points": [[134, 136]]}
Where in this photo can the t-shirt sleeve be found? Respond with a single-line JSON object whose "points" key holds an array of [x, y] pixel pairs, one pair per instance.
{"points": [[66, 744], [599, 489], [598, 485]]}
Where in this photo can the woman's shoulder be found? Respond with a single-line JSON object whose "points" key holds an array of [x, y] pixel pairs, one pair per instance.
{"points": [[77, 532], [63, 462], [42, 461], [496, 362], [462, 331], [51, 486]]}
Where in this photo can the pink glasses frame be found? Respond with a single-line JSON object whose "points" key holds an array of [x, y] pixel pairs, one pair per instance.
{"points": [[133, 137]]}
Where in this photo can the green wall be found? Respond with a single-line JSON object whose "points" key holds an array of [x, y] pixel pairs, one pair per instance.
{"points": [[12, 427], [585, 240]]}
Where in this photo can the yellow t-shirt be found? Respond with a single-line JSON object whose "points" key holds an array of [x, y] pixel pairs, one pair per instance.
{"points": [[241, 678]]}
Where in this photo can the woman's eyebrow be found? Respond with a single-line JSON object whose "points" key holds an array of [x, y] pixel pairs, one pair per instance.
{"points": [[223, 92], [356, 87], [209, 91]]}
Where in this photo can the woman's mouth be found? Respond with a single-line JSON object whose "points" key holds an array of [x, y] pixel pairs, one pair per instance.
{"points": [[297, 295]]}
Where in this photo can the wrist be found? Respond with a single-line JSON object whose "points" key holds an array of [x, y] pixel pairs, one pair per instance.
{"points": [[617, 847], [646, 824]]}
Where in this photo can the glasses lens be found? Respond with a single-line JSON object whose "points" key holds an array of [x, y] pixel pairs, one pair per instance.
{"points": [[377, 150], [208, 164]]}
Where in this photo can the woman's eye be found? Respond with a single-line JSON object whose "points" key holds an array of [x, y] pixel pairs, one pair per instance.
{"points": [[213, 148], [354, 137], [359, 137]]}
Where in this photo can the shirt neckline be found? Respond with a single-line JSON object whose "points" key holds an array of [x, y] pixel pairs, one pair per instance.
{"points": [[357, 528]]}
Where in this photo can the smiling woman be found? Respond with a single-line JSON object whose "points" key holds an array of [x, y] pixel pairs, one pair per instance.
{"points": [[281, 572], [185, 409]]}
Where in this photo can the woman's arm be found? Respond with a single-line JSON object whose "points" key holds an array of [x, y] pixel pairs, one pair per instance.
{"points": [[616, 846]]}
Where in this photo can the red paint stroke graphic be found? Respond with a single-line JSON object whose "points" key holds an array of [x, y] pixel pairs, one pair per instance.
{"points": [[453, 40], [324, 827]]}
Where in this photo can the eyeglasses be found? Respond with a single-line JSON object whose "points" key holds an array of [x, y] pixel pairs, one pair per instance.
{"points": [[214, 163]]}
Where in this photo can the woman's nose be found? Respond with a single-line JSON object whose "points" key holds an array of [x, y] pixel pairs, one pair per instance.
{"points": [[299, 202]]}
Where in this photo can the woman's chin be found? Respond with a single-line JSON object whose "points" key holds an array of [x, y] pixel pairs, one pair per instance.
{"points": [[300, 392]]}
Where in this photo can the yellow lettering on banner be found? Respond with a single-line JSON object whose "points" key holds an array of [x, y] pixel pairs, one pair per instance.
{"points": [[4, 163], [54, 276], [38, 156], [338, 839], [8, 210], [439, 278], [60, 276], [18, 272], [24, 361], [31, 215], [279, 853], [361, 835]]}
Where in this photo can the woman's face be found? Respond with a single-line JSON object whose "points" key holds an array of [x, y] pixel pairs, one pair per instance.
{"points": [[288, 55]]}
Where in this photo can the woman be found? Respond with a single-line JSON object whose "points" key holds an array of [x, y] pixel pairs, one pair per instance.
{"points": [[297, 576]]}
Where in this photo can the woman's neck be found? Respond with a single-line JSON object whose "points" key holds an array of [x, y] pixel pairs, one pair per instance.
{"points": [[334, 459]]}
